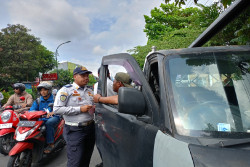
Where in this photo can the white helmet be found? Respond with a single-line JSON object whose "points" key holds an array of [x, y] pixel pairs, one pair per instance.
{"points": [[45, 86]]}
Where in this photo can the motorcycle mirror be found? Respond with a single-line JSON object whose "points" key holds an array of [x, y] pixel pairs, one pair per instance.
{"points": [[15, 107], [51, 105]]}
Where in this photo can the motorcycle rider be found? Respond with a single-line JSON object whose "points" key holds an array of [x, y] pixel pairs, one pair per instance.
{"points": [[42, 104], [25, 102]]}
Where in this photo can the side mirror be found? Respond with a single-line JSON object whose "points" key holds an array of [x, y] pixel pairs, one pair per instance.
{"points": [[51, 105], [131, 101]]}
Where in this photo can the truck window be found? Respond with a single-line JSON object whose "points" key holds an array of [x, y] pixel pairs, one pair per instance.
{"points": [[211, 92]]}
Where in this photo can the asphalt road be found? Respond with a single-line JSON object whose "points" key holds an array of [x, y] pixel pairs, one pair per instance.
{"points": [[58, 160]]}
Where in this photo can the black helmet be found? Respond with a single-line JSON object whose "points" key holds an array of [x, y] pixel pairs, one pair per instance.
{"points": [[19, 86], [45, 86]]}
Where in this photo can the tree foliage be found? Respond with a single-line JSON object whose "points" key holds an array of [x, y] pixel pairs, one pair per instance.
{"points": [[170, 18], [22, 56], [225, 3], [183, 27], [235, 33], [171, 27], [66, 77]]}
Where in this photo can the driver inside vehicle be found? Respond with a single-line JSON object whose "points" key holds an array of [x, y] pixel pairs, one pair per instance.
{"points": [[121, 80]]}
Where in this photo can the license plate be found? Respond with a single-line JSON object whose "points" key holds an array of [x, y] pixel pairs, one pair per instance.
{"points": [[26, 123], [4, 126]]}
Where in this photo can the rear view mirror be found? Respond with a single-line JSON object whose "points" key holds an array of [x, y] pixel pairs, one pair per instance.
{"points": [[51, 105], [131, 101]]}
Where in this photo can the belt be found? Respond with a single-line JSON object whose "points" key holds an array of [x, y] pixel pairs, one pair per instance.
{"points": [[80, 123]]}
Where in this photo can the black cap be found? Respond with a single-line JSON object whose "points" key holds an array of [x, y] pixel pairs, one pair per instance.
{"points": [[81, 70]]}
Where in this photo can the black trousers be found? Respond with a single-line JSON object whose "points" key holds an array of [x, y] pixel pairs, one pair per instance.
{"points": [[80, 144]]}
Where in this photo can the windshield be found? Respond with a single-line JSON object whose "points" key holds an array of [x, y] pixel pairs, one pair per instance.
{"points": [[211, 94]]}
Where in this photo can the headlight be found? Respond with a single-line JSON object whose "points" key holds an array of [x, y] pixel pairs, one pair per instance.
{"points": [[22, 137], [5, 116]]}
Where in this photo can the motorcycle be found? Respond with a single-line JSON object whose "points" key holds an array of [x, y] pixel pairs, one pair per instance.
{"points": [[31, 141], [8, 124]]}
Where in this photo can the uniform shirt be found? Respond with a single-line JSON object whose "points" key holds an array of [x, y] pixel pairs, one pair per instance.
{"points": [[68, 101], [15, 99], [43, 104]]}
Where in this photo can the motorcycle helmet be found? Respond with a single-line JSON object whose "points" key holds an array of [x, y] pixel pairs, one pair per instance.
{"points": [[19, 86], [45, 86]]}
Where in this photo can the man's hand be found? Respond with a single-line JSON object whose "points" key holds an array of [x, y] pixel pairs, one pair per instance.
{"points": [[96, 98], [24, 105], [50, 114], [85, 108]]}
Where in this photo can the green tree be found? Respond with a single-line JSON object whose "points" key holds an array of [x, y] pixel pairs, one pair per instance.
{"points": [[170, 18], [171, 27], [225, 3], [92, 80], [22, 56], [183, 27], [64, 77]]}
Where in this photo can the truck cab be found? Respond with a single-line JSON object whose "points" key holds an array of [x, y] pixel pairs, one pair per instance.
{"points": [[188, 107]]}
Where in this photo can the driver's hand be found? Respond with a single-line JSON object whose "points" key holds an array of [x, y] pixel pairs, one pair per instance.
{"points": [[50, 114]]}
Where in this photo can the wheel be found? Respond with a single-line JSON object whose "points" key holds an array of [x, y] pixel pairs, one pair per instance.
{"points": [[6, 143], [23, 159]]}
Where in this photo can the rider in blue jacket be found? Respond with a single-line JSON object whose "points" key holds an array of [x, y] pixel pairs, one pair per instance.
{"points": [[41, 104]]}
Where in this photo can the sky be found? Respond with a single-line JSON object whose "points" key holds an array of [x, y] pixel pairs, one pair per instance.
{"points": [[95, 28]]}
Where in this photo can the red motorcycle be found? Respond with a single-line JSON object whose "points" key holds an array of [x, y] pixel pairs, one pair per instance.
{"points": [[8, 125], [31, 142]]}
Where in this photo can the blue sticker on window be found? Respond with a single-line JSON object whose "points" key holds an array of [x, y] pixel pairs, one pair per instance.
{"points": [[223, 127]]}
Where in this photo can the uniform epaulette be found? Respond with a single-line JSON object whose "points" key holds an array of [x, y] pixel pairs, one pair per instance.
{"points": [[68, 85]]}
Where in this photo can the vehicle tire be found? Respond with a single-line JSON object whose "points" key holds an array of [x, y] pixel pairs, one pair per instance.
{"points": [[6, 143], [23, 159]]}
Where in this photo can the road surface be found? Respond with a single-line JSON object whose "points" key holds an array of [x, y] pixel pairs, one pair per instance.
{"points": [[58, 160]]}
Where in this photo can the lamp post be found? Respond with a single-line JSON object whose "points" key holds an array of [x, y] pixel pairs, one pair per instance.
{"points": [[56, 54]]}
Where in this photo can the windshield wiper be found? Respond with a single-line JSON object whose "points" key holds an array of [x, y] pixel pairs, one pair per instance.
{"points": [[231, 142]]}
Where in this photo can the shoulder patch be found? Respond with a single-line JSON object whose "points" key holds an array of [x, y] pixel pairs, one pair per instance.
{"points": [[63, 98], [68, 86]]}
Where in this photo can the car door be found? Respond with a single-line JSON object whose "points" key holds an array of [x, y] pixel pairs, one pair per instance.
{"points": [[126, 139]]}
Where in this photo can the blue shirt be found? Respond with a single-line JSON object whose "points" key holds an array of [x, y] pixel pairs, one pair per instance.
{"points": [[43, 104]]}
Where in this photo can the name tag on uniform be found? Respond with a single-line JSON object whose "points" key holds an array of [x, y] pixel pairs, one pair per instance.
{"points": [[75, 94]]}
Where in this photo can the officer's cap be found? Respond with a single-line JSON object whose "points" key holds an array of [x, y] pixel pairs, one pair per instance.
{"points": [[81, 70], [124, 78]]}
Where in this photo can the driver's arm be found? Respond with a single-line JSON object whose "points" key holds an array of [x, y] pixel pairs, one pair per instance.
{"points": [[10, 101], [108, 100]]}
